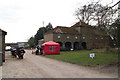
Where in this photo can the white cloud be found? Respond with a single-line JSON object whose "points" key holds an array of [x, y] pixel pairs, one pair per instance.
{"points": [[22, 18]]}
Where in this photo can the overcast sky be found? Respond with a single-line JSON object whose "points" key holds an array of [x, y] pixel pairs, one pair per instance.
{"points": [[22, 18]]}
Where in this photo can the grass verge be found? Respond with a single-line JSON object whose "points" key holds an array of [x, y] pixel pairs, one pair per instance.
{"points": [[82, 58]]}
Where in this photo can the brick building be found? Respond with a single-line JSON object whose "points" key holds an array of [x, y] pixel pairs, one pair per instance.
{"points": [[78, 36], [2, 46]]}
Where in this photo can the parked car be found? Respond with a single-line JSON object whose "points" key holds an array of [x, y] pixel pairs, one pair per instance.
{"points": [[7, 48]]}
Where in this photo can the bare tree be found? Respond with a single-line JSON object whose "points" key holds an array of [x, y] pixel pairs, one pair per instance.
{"points": [[88, 12], [103, 16], [96, 12]]}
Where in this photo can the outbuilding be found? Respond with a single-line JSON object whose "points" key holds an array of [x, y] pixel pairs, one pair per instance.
{"points": [[2, 46], [51, 48]]}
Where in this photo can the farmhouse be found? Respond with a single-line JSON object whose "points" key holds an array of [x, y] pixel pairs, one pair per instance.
{"points": [[78, 36], [2, 46]]}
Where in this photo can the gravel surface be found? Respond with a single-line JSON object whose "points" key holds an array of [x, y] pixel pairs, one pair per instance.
{"points": [[35, 66]]}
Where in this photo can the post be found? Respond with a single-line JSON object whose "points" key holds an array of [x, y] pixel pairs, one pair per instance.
{"points": [[72, 46]]}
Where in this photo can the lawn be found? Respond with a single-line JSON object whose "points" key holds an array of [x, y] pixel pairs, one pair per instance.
{"points": [[82, 58]]}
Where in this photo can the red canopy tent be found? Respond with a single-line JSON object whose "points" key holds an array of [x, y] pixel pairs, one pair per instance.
{"points": [[51, 48]]}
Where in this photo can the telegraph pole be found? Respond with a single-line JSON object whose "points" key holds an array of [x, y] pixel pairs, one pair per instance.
{"points": [[119, 10], [43, 29], [43, 23]]}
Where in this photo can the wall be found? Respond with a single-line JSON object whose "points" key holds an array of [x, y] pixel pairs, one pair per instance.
{"points": [[48, 37], [66, 38], [0, 47], [3, 46], [92, 39]]}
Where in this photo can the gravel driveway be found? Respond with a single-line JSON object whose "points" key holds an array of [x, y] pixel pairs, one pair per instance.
{"points": [[34, 66]]}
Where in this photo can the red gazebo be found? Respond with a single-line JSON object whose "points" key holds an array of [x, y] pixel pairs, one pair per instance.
{"points": [[51, 48]]}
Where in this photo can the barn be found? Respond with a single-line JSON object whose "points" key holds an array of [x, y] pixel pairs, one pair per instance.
{"points": [[78, 36], [2, 46]]}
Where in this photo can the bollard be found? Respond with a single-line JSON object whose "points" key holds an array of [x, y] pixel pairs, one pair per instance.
{"points": [[1, 59]]}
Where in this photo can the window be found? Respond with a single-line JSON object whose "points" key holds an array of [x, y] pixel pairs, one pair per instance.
{"points": [[102, 38], [83, 37], [52, 48], [68, 37], [76, 37], [58, 36]]}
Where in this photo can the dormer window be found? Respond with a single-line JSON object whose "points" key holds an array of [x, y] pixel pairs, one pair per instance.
{"points": [[58, 31]]}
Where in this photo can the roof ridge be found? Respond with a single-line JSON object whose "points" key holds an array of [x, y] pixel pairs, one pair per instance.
{"points": [[80, 24]]}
